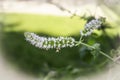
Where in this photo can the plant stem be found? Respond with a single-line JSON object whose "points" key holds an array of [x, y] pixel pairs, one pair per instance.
{"points": [[80, 38], [107, 56], [87, 45], [94, 48]]}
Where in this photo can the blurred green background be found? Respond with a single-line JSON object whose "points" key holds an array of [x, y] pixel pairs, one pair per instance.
{"points": [[69, 62]]}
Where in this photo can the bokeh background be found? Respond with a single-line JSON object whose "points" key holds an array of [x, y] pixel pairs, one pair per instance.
{"points": [[19, 60]]}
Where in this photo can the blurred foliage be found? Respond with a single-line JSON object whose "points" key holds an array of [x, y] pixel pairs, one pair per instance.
{"points": [[36, 61], [53, 25], [69, 61]]}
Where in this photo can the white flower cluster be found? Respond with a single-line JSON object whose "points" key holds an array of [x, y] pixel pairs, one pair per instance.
{"points": [[49, 43], [91, 26]]}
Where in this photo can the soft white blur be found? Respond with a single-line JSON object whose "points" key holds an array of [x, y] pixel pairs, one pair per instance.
{"points": [[8, 72]]}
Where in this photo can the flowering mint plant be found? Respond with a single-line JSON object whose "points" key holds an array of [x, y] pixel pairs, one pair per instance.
{"points": [[63, 42], [91, 26], [50, 42]]}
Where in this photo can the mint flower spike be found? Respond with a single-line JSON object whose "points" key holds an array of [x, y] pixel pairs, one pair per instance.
{"points": [[91, 26], [50, 42]]}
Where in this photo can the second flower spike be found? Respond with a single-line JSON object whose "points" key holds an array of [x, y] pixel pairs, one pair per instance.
{"points": [[91, 26]]}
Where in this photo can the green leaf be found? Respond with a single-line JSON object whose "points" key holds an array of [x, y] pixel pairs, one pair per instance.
{"points": [[95, 51]]}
